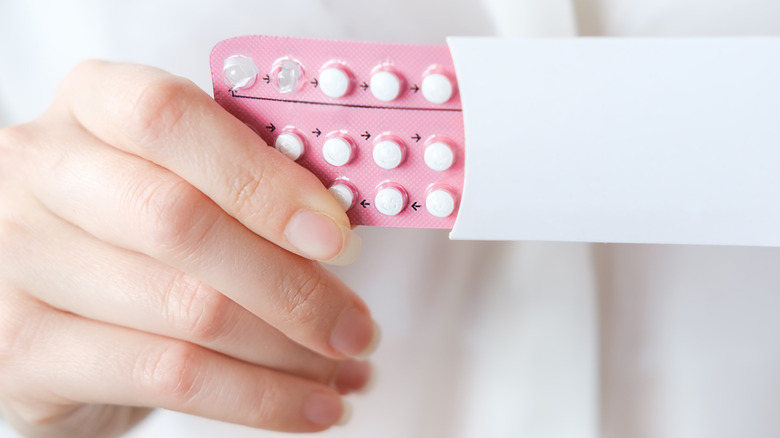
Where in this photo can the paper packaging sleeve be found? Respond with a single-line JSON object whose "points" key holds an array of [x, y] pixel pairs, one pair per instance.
{"points": [[620, 140]]}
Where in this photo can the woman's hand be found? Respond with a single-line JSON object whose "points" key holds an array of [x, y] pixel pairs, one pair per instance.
{"points": [[155, 253]]}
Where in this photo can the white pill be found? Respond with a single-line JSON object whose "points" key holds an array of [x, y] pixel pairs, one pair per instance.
{"points": [[290, 144], [337, 151], [385, 86], [240, 72], [437, 88], [390, 200], [388, 154], [334, 82], [439, 156], [344, 194], [440, 203]]}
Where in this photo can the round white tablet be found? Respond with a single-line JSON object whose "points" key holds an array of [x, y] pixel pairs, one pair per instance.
{"points": [[344, 194], [390, 200], [439, 156], [388, 154], [290, 144], [437, 88], [385, 86], [240, 72], [334, 82], [337, 151], [440, 203]]}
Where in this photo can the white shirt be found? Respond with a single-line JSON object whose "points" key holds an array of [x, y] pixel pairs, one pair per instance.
{"points": [[483, 339]]}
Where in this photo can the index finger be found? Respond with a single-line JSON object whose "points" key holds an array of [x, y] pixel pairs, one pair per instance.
{"points": [[171, 122]]}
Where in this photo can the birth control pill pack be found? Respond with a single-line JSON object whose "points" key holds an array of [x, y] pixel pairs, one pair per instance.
{"points": [[569, 139], [379, 124]]}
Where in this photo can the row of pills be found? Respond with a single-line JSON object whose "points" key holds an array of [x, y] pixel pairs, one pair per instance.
{"points": [[390, 198], [389, 152], [336, 80]]}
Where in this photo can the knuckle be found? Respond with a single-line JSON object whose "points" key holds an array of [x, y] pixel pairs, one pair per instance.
{"points": [[10, 330], [13, 141], [202, 314], [170, 372], [82, 69], [245, 200], [85, 66], [20, 325], [302, 297], [157, 108], [11, 233], [253, 195], [173, 213], [268, 400], [12, 137]]}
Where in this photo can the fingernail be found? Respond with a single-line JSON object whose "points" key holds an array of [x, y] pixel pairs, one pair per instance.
{"points": [[326, 409], [350, 249], [372, 346], [319, 237], [355, 334], [353, 376], [346, 413]]}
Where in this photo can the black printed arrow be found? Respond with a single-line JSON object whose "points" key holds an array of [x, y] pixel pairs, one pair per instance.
{"points": [[364, 86], [366, 135], [416, 138], [415, 206], [364, 204], [317, 132], [272, 128], [415, 88], [267, 79], [315, 82]]}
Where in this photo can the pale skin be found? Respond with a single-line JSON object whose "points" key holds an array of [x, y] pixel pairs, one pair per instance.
{"points": [[155, 253]]}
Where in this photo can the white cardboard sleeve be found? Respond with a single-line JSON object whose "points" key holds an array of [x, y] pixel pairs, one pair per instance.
{"points": [[620, 140]]}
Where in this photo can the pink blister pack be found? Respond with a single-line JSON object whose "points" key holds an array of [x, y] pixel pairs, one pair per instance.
{"points": [[379, 124]]}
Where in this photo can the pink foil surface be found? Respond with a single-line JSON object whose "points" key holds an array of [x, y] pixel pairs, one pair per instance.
{"points": [[358, 115]]}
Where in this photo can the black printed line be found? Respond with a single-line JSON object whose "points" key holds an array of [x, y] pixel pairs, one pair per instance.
{"points": [[306, 102]]}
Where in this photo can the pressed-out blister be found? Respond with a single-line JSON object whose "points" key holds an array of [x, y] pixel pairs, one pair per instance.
{"points": [[379, 124]]}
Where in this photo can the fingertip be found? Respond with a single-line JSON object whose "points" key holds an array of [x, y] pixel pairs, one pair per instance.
{"points": [[326, 409], [318, 236], [354, 376], [373, 345], [355, 334]]}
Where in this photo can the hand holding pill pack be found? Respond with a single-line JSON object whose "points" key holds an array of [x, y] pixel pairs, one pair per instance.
{"points": [[379, 124], [643, 140]]}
